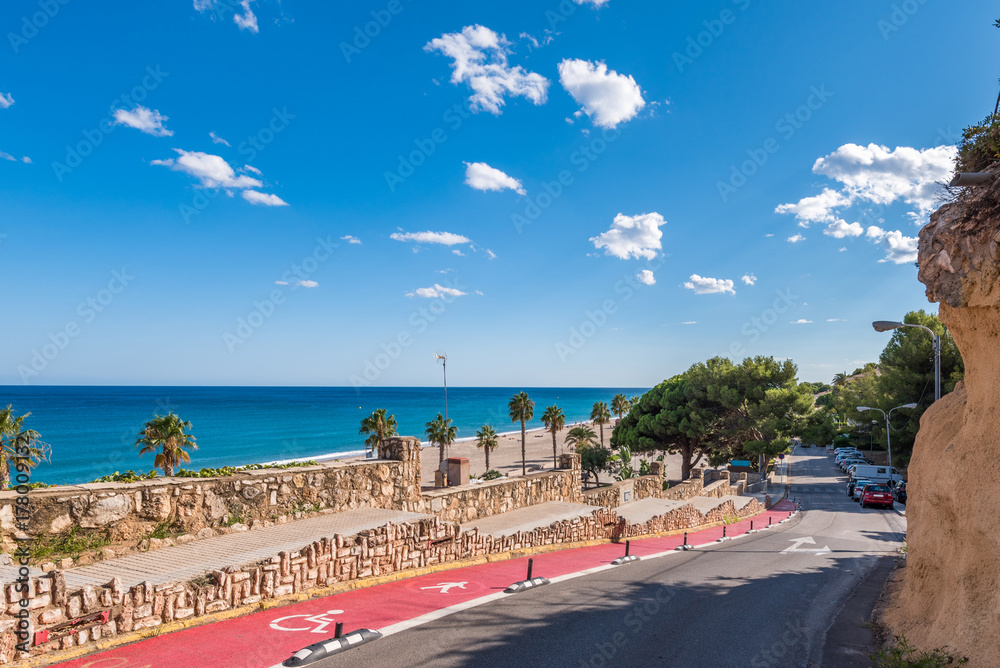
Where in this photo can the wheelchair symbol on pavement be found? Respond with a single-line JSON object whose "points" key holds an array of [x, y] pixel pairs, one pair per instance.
{"points": [[317, 623]]}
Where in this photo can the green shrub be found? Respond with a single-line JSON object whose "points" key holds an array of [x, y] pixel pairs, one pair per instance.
{"points": [[128, 476], [489, 475], [902, 655], [980, 146], [68, 543], [230, 470]]}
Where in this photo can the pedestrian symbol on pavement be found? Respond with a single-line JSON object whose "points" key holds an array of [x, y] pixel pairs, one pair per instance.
{"points": [[445, 587], [317, 623]]}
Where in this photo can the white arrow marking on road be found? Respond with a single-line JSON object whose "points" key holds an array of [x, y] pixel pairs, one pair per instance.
{"points": [[799, 542], [445, 586]]}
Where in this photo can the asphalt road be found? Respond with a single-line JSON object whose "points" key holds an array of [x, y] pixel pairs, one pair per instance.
{"points": [[767, 599]]}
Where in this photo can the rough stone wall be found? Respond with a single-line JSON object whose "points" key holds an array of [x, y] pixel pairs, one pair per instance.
{"points": [[126, 511], [325, 562], [613, 495], [950, 590]]}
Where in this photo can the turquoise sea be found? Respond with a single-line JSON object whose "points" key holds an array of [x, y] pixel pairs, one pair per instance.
{"points": [[92, 430]]}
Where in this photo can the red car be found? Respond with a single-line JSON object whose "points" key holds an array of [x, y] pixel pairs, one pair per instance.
{"points": [[876, 495]]}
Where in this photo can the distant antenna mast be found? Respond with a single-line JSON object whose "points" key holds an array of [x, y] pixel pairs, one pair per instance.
{"points": [[997, 107], [443, 356]]}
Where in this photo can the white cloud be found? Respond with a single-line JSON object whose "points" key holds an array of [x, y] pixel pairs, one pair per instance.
{"points": [[646, 276], [690, 322], [802, 321], [436, 291], [443, 238], [143, 119], [490, 255], [479, 58], [27, 160], [706, 286], [748, 279], [842, 249], [251, 168], [632, 236], [796, 238], [303, 284], [458, 253], [211, 170], [7, 156], [596, 3], [247, 20], [835, 320], [481, 176], [840, 229], [607, 97], [351, 240], [6, 101], [216, 139], [882, 175], [769, 234], [255, 197], [900, 249], [816, 209]]}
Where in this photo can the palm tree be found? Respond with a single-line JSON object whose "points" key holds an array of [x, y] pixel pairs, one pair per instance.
{"points": [[486, 438], [601, 416], [379, 426], [170, 434], [582, 435], [620, 405], [593, 458], [18, 445], [440, 432], [554, 420], [522, 408]]}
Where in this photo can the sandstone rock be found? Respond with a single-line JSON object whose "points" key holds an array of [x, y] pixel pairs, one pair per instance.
{"points": [[950, 581], [93, 513], [61, 522]]}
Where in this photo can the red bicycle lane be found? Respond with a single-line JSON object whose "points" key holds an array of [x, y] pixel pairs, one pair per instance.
{"points": [[268, 637]]}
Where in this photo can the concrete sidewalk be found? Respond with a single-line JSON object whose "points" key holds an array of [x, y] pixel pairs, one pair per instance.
{"points": [[532, 517], [183, 562]]}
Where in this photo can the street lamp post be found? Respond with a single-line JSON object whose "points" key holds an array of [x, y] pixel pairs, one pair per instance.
{"points": [[443, 356], [887, 325], [888, 437]]}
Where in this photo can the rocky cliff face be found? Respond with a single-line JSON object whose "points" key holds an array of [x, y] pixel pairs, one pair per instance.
{"points": [[950, 592]]}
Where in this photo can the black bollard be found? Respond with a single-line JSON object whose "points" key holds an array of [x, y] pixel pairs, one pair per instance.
{"points": [[723, 530], [768, 520], [685, 537], [751, 525], [531, 563], [628, 544], [339, 633]]}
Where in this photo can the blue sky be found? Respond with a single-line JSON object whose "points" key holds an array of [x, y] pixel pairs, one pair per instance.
{"points": [[556, 194]]}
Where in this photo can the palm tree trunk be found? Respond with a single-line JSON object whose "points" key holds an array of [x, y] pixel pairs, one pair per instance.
{"points": [[440, 452], [4, 472], [554, 465], [524, 455], [602, 434], [487, 449]]}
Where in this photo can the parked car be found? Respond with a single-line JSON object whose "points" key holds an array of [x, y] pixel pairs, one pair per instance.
{"points": [[899, 492], [848, 463], [878, 473], [876, 494], [859, 488], [855, 484]]}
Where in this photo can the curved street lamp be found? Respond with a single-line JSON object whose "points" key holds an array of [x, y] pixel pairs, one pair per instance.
{"points": [[887, 325], [888, 438], [443, 357]]}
